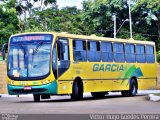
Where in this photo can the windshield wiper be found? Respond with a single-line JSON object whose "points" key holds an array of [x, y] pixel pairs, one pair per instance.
{"points": [[37, 48]]}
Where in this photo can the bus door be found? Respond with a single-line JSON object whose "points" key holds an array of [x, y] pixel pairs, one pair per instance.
{"points": [[60, 59]]}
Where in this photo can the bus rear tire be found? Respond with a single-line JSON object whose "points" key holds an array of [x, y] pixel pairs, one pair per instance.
{"points": [[98, 94], [36, 97], [132, 89], [77, 91]]}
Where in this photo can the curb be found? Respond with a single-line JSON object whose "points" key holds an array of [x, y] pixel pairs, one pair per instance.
{"points": [[154, 98], [8, 96]]}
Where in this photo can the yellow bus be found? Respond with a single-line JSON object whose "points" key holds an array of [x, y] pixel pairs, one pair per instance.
{"points": [[49, 63]]}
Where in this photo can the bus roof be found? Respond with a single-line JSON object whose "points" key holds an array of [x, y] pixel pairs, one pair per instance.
{"points": [[92, 37]]}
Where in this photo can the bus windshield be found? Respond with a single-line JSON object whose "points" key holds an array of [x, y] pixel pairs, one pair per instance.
{"points": [[29, 56]]}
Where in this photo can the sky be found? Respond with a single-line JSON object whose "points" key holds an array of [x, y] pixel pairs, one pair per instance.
{"points": [[70, 3]]}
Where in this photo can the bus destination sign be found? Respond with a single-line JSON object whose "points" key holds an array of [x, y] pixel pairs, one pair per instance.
{"points": [[30, 38]]}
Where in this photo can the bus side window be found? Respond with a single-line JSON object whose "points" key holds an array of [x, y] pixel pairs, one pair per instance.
{"points": [[150, 54], [130, 53], [107, 53], [94, 51], [79, 50], [140, 53], [63, 55], [118, 52]]}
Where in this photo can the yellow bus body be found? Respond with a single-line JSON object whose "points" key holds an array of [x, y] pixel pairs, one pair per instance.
{"points": [[97, 76]]}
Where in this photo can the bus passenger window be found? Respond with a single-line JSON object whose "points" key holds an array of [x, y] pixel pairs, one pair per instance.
{"points": [[118, 52], [140, 54], [130, 53], [150, 54], [107, 54], [79, 50], [94, 51]]}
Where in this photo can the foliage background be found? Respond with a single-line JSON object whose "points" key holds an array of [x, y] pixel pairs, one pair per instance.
{"points": [[17, 16]]}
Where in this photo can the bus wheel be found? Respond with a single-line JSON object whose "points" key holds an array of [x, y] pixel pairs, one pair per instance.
{"points": [[98, 94], [77, 91], [36, 97], [132, 89]]}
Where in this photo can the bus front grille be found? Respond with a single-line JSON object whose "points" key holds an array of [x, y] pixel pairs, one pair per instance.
{"points": [[21, 91]]}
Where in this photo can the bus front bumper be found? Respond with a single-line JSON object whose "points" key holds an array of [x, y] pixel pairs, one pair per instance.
{"points": [[50, 88]]}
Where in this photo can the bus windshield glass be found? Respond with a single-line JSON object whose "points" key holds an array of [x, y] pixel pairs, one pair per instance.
{"points": [[29, 56]]}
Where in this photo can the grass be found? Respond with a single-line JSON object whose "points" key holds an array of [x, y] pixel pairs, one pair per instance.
{"points": [[1, 58]]}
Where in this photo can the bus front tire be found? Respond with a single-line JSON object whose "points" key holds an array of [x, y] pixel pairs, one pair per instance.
{"points": [[36, 97], [132, 89], [77, 91]]}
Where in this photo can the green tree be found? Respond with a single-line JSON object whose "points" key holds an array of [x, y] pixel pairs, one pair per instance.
{"points": [[149, 11], [158, 56], [98, 15], [71, 20], [26, 9], [9, 23], [67, 19]]}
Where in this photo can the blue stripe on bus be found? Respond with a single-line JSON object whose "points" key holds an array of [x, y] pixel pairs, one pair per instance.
{"points": [[50, 88]]}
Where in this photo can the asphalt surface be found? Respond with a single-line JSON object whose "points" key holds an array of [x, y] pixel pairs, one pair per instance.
{"points": [[113, 103]]}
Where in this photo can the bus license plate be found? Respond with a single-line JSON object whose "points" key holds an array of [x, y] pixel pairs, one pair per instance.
{"points": [[27, 88]]}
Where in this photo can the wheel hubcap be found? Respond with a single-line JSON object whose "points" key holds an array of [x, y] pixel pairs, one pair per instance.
{"points": [[133, 89]]}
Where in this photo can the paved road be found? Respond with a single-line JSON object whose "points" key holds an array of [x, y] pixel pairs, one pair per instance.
{"points": [[63, 105]]}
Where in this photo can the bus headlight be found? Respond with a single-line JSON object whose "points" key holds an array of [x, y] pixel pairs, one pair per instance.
{"points": [[12, 82], [45, 81]]}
